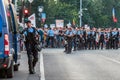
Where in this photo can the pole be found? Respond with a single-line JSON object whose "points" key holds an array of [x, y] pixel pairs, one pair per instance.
{"points": [[80, 13], [16, 4], [30, 9], [30, 1], [23, 4]]}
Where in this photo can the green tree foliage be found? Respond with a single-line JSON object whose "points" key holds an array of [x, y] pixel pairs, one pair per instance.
{"points": [[98, 13]]}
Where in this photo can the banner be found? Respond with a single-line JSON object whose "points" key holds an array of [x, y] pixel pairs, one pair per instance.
{"points": [[52, 26], [59, 23], [43, 17], [33, 20]]}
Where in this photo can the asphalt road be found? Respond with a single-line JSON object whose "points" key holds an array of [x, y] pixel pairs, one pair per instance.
{"points": [[54, 64], [23, 73], [81, 65]]}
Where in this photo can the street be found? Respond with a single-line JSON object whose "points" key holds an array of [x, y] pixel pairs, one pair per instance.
{"points": [[27, 26], [80, 65], [23, 73]]}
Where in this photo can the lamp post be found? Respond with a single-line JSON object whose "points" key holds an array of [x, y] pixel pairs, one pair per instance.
{"points": [[30, 5], [80, 12]]}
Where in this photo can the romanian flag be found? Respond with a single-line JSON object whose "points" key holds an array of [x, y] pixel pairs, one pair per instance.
{"points": [[113, 14]]}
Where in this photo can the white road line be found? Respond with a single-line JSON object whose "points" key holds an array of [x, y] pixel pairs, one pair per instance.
{"points": [[42, 73], [110, 59]]}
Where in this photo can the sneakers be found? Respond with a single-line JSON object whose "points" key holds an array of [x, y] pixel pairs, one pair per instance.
{"points": [[74, 50], [31, 72]]}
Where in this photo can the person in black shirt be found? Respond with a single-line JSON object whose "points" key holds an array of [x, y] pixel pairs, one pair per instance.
{"points": [[31, 37]]}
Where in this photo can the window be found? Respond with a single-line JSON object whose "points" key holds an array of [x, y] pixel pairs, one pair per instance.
{"points": [[1, 22], [9, 16]]}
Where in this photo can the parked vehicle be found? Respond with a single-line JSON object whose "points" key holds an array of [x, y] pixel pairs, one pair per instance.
{"points": [[9, 43]]}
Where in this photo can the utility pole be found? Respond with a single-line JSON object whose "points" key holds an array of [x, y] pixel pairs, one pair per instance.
{"points": [[80, 13], [30, 5]]}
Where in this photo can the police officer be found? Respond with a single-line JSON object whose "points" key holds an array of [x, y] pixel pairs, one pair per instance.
{"points": [[41, 33], [117, 38], [93, 39], [101, 38], [78, 40], [89, 39], [115, 35], [69, 40], [107, 38], [65, 38], [51, 34], [82, 41], [74, 38], [110, 39], [31, 36], [84, 38]]}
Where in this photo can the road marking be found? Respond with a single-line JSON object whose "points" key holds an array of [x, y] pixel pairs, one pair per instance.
{"points": [[113, 60], [42, 73]]}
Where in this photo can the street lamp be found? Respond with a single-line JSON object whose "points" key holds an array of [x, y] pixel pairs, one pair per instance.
{"points": [[80, 12]]}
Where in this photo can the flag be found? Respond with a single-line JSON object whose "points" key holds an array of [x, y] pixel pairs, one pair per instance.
{"points": [[32, 18], [114, 17], [73, 22], [43, 17]]}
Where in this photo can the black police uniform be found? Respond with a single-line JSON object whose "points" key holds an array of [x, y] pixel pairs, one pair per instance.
{"points": [[82, 40], [89, 36], [115, 39], [69, 40], [85, 40], [75, 39], [93, 40], [30, 43], [79, 40], [108, 40], [101, 40]]}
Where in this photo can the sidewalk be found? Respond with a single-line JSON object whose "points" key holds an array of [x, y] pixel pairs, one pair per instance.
{"points": [[24, 67]]}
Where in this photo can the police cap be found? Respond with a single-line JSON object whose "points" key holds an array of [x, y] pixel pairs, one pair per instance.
{"points": [[28, 21]]}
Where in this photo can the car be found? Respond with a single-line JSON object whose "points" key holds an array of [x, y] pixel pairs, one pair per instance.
{"points": [[10, 53]]}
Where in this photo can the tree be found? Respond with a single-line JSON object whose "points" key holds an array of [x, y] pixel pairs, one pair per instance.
{"points": [[99, 12]]}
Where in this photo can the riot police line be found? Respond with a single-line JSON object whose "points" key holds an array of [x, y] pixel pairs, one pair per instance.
{"points": [[94, 38], [81, 38]]}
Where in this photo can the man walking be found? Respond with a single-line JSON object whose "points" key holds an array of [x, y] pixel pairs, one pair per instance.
{"points": [[31, 35]]}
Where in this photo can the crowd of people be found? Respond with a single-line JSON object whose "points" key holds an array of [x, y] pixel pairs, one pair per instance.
{"points": [[76, 38], [80, 37]]}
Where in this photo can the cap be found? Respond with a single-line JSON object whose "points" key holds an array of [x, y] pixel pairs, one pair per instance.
{"points": [[28, 21]]}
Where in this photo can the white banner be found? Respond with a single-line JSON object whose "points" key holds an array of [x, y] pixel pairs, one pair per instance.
{"points": [[52, 26], [59, 23], [33, 20]]}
